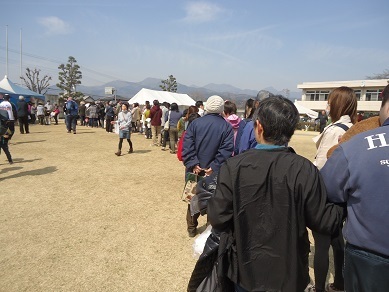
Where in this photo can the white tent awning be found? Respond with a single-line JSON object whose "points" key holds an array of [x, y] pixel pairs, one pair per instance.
{"points": [[162, 96], [305, 111], [12, 88]]}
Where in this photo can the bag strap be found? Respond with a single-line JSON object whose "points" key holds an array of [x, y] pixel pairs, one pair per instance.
{"points": [[343, 126]]}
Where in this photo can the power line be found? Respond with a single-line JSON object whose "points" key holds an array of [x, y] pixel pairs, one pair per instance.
{"points": [[57, 61]]}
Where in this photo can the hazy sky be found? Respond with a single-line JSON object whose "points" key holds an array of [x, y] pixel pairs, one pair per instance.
{"points": [[248, 44]]}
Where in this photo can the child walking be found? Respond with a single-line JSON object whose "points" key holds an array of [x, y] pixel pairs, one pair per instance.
{"points": [[124, 124]]}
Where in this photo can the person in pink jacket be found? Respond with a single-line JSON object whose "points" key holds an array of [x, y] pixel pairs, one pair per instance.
{"points": [[230, 116]]}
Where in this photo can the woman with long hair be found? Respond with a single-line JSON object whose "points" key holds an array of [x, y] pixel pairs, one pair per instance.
{"points": [[342, 108]]}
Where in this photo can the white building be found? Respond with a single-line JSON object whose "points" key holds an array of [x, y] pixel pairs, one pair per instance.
{"points": [[315, 94]]}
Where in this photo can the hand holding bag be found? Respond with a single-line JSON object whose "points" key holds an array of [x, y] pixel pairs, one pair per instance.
{"points": [[166, 127], [189, 191]]}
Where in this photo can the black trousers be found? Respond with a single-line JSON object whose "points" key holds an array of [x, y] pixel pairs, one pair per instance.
{"points": [[321, 259], [23, 124], [4, 146], [108, 125]]}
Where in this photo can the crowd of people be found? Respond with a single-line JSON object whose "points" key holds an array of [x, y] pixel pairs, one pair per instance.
{"points": [[267, 196], [264, 195]]}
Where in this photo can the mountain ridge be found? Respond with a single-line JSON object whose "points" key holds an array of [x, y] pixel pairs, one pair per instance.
{"points": [[127, 89]]}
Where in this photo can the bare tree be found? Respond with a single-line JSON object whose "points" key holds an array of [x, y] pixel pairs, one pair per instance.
{"points": [[383, 75], [34, 82]]}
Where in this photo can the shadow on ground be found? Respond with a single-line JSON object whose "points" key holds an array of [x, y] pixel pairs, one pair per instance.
{"points": [[7, 169], [26, 142], [22, 160], [42, 171]]}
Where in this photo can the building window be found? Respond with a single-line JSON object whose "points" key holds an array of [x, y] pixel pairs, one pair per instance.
{"points": [[372, 94], [317, 95], [358, 94], [323, 95]]}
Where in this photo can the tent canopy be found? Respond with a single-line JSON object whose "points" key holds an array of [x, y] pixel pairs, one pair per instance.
{"points": [[15, 90], [306, 111], [162, 96]]}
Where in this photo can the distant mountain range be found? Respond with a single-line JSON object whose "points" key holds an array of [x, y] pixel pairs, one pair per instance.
{"points": [[127, 90]]}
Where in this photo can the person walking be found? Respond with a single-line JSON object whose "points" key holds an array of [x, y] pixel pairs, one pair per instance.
{"points": [[124, 124], [4, 145], [71, 115]]}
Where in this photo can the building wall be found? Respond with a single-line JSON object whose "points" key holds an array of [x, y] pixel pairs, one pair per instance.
{"points": [[315, 94]]}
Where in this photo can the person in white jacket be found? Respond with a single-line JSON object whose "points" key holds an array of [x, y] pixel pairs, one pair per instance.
{"points": [[124, 124], [342, 109]]}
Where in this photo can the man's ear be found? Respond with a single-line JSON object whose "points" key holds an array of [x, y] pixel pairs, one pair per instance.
{"points": [[258, 127]]}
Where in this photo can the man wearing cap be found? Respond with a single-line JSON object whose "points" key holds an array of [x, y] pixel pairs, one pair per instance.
{"points": [[23, 115], [208, 143], [12, 113], [357, 174]]}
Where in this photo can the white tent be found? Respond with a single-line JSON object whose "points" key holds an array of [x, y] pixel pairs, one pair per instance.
{"points": [[162, 96], [17, 90], [305, 111]]}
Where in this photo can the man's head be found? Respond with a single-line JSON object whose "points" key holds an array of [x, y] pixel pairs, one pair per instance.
{"points": [[155, 102], [199, 104], [262, 95], [384, 111], [275, 120], [21, 97], [7, 97], [215, 105]]}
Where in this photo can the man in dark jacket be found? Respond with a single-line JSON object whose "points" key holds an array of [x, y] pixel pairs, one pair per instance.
{"points": [[156, 128], [23, 115], [208, 143], [266, 197]]}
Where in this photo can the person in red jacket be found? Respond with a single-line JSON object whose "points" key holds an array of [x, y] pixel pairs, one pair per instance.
{"points": [[155, 116]]}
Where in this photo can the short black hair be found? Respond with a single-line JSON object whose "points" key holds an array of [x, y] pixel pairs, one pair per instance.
{"points": [[174, 107], [279, 117], [199, 103]]}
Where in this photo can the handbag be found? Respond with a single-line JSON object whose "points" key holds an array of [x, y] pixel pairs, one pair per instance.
{"points": [[189, 191], [167, 126]]}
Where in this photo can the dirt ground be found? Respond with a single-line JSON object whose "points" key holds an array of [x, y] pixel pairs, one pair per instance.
{"points": [[75, 217]]}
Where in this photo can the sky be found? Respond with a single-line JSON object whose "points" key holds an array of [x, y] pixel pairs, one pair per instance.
{"points": [[249, 44]]}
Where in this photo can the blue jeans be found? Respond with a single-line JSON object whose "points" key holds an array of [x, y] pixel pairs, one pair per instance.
{"points": [[239, 289], [71, 121], [365, 270]]}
